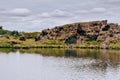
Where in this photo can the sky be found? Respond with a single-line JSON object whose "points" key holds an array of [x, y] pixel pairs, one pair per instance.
{"points": [[36, 15]]}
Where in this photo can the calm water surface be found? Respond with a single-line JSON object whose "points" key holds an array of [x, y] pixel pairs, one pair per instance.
{"points": [[59, 64]]}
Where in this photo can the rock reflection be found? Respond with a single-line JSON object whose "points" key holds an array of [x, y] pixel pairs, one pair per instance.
{"points": [[102, 58]]}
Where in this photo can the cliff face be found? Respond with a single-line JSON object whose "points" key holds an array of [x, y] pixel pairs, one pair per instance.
{"points": [[85, 31]]}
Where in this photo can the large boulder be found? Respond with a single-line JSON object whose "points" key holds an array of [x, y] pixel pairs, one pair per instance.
{"points": [[106, 28], [22, 38], [44, 32], [104, 22], [80, 30], [91, 36], [71, 39], [104, 46], [37, 38]]}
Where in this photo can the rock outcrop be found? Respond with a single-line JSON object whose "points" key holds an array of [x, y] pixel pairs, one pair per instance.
{"points": [[37, 38], [84, 31], [22, 38]]}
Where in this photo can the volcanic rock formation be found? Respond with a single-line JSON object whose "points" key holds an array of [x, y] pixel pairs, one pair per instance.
{"points": [[84, 31]]}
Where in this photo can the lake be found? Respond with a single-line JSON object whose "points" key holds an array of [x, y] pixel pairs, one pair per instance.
{"points": [[59, 64]]}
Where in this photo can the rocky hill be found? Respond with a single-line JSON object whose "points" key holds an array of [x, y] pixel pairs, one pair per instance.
{"points": [[83, 31], [94, 34]]}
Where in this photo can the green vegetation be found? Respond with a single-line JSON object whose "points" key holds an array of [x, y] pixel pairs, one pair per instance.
{"points": [[30, 43], [30, 35], [8, 33], [14, 42], [88, 44], [1, 27], [5, 32], [66, 26], [15, 33], [115, 45]]}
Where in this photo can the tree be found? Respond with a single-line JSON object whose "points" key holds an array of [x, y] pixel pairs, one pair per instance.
{"points": [[1, 27], [15, 33]]}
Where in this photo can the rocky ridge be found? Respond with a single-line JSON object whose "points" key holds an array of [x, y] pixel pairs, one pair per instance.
{"points": [[83, 31]]}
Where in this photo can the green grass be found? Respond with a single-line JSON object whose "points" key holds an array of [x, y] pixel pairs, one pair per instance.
{"points": [[88, 44], [30, 43], [30, 35], [40, 44], [115, 46], [5, 45]]}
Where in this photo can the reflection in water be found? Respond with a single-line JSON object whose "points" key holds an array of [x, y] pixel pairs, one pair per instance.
{"points": [[61, 64], [103, 58]]}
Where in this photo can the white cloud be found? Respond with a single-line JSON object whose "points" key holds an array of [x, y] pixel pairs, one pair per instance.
{"points": [[60, 13], [20, 11], [17, 12], [82, 11], [44, 15], [55, 14], [90, 11], [113, 0], [98, 10], [1, 10], [35, 22]]}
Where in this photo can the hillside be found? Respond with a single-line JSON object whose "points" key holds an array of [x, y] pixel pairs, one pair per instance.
{"points": [[93, 34], [76, 33]]}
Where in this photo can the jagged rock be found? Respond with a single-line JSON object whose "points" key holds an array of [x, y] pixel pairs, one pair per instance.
{"points": [[104, 22], [7, 37], [101, 38], [104, 46], [72, 39], [13, 42], [80, 39], [96, 29], [22, 38], [91, 37], [106, 28], [116, 38], [85, 31], [37, 38], [44, 32], [80, 30]]}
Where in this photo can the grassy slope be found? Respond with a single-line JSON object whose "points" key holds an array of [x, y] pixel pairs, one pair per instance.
{"points": [[30, 43], [4, 42]]}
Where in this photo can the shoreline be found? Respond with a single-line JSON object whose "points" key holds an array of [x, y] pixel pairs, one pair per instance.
{"points": [[59, 46]]}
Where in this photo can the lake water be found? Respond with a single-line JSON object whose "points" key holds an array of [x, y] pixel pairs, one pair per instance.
{"points": [[59, 64]]}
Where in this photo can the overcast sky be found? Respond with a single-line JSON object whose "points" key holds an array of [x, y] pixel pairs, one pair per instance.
{"points": [[36, 15]]}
